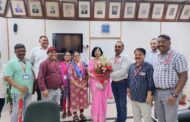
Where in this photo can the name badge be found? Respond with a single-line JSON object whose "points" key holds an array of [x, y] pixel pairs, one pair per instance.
{"points": [[65, 77], [142, 73], [25, 76]]}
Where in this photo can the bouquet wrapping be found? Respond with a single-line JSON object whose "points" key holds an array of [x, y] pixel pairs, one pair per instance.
{"points": [[102, 70]]}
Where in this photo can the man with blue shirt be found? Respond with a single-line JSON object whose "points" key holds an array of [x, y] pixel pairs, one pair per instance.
{"points": [[20, 76], [150, 56], [141, 86]]}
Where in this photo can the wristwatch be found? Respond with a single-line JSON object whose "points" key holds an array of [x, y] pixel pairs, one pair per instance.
{"points": [[174, 95]]}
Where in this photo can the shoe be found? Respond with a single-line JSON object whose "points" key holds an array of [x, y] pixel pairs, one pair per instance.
{"points": [[82, 117], [69, 113], [75, 118], [64, 115]]}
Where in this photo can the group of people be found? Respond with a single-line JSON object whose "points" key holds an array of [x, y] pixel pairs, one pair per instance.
{"points": [[159, 75]]}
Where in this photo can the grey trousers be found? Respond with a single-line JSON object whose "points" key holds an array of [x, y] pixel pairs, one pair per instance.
{"points": [[164, 111]]}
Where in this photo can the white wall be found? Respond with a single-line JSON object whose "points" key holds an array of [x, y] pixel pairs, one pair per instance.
{"points": [[138, 34], [28, 33], [3, 40], [134, 34]]}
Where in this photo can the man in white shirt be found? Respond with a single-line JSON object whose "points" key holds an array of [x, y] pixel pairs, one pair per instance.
{"points": [[120, 65], [153, 52], [39, 54], [2, 88]]}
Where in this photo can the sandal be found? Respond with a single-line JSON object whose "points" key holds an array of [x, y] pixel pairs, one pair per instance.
{"points": [[75, 118], [69, 113], [64, 115], [82, 117]]}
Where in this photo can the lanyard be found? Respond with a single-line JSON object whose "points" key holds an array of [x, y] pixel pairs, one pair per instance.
{"points": [[166, 59], [23, 65], [117, 59], [137, 70]]}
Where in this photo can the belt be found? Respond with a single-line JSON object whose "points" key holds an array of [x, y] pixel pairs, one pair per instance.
{"points": [[163, 89]]}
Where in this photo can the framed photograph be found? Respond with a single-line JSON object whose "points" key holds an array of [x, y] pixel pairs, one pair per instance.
{"points": [[3, 7], [185, 13], [100, 9], [18, 8], [158, 10], [52, 9], [84, 9], [68, 10], [171, 11], [114, 10], [35, 8], [144, 10], [129, 10]]}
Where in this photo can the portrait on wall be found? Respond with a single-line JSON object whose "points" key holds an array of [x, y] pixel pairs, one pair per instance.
{"points": [[144, 9], [114, 10], [84, 9], [68, 42], [18, 8], [158, 9], [52, 9], [69, 9], [171, 11], [185, 13], [99, 9], [3, 6], [35, 8], [129, 10]]}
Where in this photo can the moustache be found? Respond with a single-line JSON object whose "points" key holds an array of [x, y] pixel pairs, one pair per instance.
{"points": [[160, 46], [137, 58]]}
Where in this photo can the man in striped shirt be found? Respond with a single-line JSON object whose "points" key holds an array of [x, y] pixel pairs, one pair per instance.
{"points": [[141, 86], [170, 76]]}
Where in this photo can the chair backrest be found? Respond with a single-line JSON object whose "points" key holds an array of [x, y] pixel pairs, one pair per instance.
{"points": [[42, 111], [184, 115]]}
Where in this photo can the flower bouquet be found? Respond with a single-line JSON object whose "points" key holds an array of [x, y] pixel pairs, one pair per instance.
{"points": [[102, 70]]}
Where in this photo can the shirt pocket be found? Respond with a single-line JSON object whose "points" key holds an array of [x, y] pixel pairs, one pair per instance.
{"points": [[167, 68]]}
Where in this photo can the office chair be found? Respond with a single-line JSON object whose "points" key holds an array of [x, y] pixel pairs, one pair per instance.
{"points": [[184, 115], [42, 111]]}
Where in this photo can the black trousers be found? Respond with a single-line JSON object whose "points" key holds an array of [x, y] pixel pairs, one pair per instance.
{"points": [[2, 102]]}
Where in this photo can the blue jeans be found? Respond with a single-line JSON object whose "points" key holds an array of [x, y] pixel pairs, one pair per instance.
{"points": [[120, 92], [27, 98]]}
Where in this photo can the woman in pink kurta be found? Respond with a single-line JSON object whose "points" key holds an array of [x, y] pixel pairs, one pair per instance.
{"points": [[78, 87], [100, 92]]}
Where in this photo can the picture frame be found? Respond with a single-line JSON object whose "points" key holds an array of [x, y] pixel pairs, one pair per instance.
{"points": [[105, 28], [158, 11], [114, 10], [52, 9], [185, 13], [18, 8], [68, 10], [129, 11], [84, 10], [171, 11], [144, 10], [3, 7], [100, 9], [35, 8]]}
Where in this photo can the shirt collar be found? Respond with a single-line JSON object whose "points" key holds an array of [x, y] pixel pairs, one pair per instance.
{"points": [[154, 51], [168, 52], [120, 55]]}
